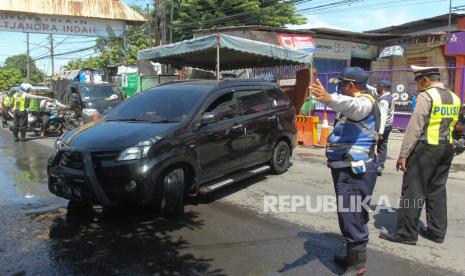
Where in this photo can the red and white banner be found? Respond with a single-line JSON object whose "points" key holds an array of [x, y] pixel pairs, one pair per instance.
{"points": [[304, 43]]}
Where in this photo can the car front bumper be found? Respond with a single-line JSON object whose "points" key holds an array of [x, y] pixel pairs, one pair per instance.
{"points": [[97, 178]]}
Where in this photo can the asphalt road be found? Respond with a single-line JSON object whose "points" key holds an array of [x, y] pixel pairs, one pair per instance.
{"points": [[39, 237]]}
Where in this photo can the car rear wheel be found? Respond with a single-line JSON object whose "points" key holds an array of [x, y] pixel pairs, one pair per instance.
{"points": [[172, 200], [280, 158]]}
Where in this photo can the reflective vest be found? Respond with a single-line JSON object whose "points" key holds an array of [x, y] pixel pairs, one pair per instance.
{"points": [[19, 102], [444, 113], [354, 140], [6, 100], [34, 105]]}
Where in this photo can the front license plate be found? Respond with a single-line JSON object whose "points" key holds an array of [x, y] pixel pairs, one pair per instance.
{"points": [[71, 191]]}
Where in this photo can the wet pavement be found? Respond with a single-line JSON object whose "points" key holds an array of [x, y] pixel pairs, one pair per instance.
{"points": [[40, 236]]}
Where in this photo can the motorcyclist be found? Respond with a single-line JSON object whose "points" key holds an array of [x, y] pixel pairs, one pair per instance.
{"points": [[48, 107]]}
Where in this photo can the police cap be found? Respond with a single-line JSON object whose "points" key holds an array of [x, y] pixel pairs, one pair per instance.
{"points": [[384, 84], [420, 71], [354, 74]]}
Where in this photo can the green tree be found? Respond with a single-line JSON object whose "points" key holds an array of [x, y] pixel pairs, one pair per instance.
{"points": [[205, 14], [93, 62], [20, 62], [10, 77], [112, 51]]}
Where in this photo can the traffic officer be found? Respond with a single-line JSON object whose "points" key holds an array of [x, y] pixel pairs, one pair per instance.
{"points": [[34, 109], [350, 153], [425, 158], [386, 108], [19, 110], [5, 102]]}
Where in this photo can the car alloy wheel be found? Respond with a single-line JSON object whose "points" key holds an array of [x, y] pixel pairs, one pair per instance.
{"points": [[280, 158]]}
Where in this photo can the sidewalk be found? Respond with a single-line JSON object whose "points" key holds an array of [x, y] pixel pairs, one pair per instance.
{"points": [[310, 176]]}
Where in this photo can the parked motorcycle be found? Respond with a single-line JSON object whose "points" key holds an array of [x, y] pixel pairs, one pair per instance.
{"points": [[61, 121]]}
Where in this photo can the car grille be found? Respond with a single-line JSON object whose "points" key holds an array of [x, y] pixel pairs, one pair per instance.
{"points": [[100, 156], [73, 160]]}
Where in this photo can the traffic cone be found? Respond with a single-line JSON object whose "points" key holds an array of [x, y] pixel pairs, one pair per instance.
{"points": [[324, 131]]}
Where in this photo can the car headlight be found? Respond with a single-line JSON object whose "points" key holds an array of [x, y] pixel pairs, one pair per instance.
{"points": [[59, 143], [89, 111], [139, 151]]}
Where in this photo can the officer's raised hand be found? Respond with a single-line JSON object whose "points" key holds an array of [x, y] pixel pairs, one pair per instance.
{"points": [[320, 93]]}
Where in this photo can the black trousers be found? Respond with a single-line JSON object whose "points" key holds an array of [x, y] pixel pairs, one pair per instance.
{"points": [[382, 147], [349, 186], [424, 183], [20, 123]]}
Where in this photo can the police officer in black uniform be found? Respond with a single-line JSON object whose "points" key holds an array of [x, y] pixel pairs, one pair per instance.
{"points": [[350, 153], [425, 158]]}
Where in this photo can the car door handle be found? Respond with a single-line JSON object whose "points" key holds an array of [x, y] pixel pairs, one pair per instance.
{"points": [[237, 127], [271, 118]]}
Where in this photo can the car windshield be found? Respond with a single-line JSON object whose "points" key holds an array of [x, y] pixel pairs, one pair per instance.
{"points": [[157, 106], [95, 93]]}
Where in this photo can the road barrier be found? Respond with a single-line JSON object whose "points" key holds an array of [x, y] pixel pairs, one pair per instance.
{"points": [[307, 132], [324, 131]]}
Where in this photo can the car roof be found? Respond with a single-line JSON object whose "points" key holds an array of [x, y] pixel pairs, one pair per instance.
{"points": [[213, 85]]}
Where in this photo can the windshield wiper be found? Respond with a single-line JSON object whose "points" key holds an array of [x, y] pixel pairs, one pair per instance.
{"points": [[165, 121], [126, 120]]}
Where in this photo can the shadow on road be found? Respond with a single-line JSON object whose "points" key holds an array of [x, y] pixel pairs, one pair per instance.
{"points": [[124, 242], [385, 220], [321, 247]]}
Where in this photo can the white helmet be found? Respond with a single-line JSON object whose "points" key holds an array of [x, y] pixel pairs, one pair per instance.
{"points": [[25, 87]]}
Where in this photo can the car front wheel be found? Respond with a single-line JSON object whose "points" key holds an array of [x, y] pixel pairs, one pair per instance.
{"points": [[280, 158], [172, 200]]}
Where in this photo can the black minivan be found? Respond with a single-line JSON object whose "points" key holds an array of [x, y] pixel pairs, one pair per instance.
{"points": [[176, 140]]}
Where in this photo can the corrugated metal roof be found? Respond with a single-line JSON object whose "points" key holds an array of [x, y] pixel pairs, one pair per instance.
{"points": [[103, 9]]}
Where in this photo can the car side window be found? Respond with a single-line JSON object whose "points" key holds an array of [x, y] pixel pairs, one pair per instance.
{"points": [[252, 101], [277, 98], [224, 106]]}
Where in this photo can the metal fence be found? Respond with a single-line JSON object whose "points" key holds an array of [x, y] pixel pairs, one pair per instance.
{"points": [[403, 88]]}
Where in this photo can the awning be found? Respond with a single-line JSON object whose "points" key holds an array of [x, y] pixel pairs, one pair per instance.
{"points": [[234, 52]]}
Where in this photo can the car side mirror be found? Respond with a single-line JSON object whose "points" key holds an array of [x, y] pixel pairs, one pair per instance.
{"points": [[209, 118]]}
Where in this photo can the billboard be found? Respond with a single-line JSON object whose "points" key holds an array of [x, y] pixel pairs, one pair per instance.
{"points": [[455, 44], [297, 41], [61, 25]]}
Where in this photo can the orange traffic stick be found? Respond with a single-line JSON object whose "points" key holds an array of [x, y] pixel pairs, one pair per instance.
{"points": [[307, 132], [324, 131]]}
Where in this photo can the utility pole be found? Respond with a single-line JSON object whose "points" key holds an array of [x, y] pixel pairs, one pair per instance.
{"points": [[149, 23], [156, 32], [28, 66], [125, 47], [164, 21], [171, 21], [50, 37], [450, 15]]}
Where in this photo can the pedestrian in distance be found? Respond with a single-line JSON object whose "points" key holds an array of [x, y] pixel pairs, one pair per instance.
{"points": [[425, 158], [19, 109], [350, 153], [386, 107], [5, 103]]}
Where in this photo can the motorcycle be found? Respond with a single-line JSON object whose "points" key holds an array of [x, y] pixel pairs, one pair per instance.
{"points": [[459, 133], [61, 121]]}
